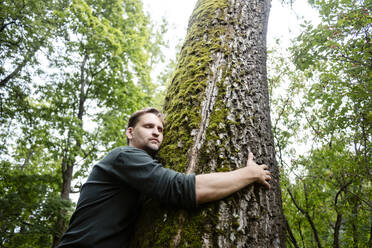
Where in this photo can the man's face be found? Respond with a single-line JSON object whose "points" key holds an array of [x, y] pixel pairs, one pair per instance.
{"points": [[147, 134]]}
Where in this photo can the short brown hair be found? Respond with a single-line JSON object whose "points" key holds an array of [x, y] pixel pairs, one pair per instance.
{"points": [[135, 117]]}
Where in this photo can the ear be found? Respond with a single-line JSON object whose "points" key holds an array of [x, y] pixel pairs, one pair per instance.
{"points": [[129, 133]]}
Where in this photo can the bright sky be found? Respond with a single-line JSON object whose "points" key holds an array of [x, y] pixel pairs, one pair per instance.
{"points": [[283, 22]]}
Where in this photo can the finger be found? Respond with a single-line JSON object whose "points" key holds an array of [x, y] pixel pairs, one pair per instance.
{"points": [[268, 178], [264, 166], [267, 185], [250, 156]]}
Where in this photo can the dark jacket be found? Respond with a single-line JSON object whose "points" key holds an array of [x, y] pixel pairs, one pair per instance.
{"points": [[111, 199]]}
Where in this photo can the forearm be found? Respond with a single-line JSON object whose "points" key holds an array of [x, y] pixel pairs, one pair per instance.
{"points": [[215, 186]]}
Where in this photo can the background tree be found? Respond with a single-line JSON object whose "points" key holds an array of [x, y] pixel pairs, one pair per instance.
{"points": [[26, 28], [99, 64], [217, 110], [327, 197]]}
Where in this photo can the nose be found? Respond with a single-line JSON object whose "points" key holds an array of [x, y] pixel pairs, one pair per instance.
{"points": [[155, 132]]}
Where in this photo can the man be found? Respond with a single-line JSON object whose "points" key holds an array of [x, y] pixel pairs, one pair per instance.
{"points": [[111, 199]]}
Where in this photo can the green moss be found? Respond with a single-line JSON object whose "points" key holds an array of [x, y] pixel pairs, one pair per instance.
{"points": [[161, 233], [235, 223], [196, 224], [186, 92], [223, 169], [165, 236], [183, 115]]}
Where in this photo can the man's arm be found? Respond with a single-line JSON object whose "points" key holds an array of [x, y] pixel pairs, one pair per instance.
{"points": [[215, 186]]}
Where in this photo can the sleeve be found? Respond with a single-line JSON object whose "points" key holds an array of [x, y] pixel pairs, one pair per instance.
{"points": [[142, 172]]}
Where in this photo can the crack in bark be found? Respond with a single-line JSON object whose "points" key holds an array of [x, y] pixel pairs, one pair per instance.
{"points": [[207, 108], [177, 238], [236, 85]]}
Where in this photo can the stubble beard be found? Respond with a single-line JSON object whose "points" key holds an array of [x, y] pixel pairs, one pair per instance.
{"points": [[152, 149]]}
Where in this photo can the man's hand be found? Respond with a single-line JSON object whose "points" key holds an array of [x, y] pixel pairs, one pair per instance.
{"points": [[215, 186], [259, 172]]}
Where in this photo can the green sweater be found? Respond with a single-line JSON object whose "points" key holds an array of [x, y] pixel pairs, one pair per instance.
{"points": [[111, 199]]}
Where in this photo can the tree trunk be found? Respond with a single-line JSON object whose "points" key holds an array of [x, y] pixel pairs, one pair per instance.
{"points": [[336, 236], [307, 215], [67, 171], [217, 109], [292, 238], [69, 156]]}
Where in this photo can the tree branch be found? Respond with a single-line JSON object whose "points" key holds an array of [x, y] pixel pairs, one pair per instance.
{"points": [[26, 59], [301, 234], [5, 25], [82, 96], [27, 159], [14, 73], [291, 236], [304, 212]]}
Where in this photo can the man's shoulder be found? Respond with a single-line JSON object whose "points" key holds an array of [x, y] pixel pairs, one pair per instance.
{"points": [[129, 151], [124, 155], [119, 151], [125, 149]]}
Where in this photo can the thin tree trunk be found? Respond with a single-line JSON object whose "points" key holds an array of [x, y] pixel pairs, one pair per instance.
{"points": [[291, 236], [354, 224], [301, 234], [336, 239], [336, 235], [69, 156], [217, 110], [370, 231], [308, 217], [67, 172]]}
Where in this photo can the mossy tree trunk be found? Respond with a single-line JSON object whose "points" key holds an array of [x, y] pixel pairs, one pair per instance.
{"points": [[217, 110]]}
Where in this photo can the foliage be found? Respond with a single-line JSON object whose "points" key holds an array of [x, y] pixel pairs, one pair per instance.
{"points": [[26, 27], [68, 102], [28, 206], [340, 51], [326, 188], [331, 189]]}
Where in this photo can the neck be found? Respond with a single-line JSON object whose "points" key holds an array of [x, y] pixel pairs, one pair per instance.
{"points": [[151, 152]]}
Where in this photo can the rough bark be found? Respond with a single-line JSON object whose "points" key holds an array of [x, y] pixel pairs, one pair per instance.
{"points": [[217, 110]]}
